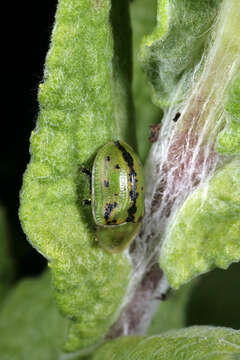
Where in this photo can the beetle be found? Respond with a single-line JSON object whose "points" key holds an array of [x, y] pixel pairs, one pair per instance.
{"points": [[117, 195], [177, 116]]}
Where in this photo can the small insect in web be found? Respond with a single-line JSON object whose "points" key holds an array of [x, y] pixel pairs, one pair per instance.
{"points": [[161, 297], [177, 116]]}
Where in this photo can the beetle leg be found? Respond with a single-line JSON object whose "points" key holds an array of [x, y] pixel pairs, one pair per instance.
{"points": [[87, 202], [162, 297], [85, 171], [88, 173]]}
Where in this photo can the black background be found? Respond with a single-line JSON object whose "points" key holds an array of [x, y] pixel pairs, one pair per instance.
{"points": [[28, 30]]}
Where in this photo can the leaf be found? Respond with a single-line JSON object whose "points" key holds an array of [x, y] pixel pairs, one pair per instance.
{"points": [[196, 343], [84, 101], [228, 141], [30, 324], [176, 45], [205, 232], [143, 18], [6, 261]]}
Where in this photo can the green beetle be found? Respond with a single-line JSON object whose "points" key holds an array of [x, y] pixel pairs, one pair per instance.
{"points": [[117, 191]]}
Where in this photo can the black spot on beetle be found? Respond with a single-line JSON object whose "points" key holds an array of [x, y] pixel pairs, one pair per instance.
{"points": [[142, 188], [106, 183], [108, 158], [111, 222], [127, 157], [108, 209], [131, 213], [133, 195], [117, 167], [133, 180], [177, 116]]}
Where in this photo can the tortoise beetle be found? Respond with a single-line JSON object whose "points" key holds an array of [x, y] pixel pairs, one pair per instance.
{"points": [[117, 195]]}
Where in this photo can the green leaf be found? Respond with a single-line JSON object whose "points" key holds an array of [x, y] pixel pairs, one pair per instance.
{"points": [[6, 261], [143, 21], [84, 101], [196, 343], [228, 141], [30, 324], [205, 232], [172, 51]]}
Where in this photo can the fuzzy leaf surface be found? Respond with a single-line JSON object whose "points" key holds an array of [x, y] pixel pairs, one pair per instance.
{"points": [[84, 102], [176, 45], [30, 324], [228, 141], [205, 233], [196, 343]]}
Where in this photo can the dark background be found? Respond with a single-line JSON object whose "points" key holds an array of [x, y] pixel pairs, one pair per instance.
{"points": [[29, 29]]}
